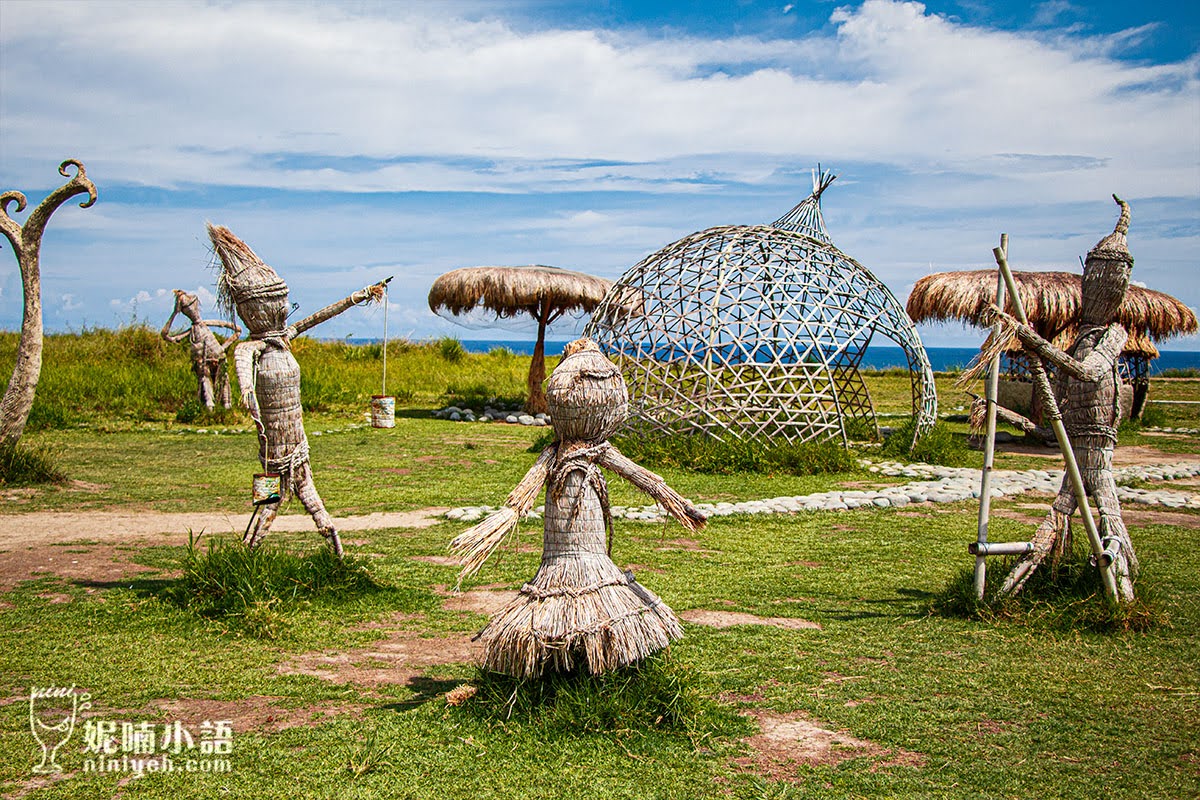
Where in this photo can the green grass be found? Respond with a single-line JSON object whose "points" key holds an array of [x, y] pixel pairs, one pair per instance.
{"points": [[1043, 696], [23, 464]]}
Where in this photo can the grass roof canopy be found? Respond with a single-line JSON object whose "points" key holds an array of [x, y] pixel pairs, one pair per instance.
{"points": [[1051, 300], [544, 293]]}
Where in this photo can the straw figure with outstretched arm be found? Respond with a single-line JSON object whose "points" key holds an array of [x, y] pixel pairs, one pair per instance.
{"points": [[1087, 396], [208, 353], [270, 377], [580, 610]]}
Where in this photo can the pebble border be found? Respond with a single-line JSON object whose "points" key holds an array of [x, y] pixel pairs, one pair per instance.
{"points": [[940, 485]]}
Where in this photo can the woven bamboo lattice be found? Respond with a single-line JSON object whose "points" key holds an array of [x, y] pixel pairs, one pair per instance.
{"points": [[757, 331]]}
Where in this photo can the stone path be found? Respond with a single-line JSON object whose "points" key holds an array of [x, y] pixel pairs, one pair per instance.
{"points": [[936, 485]]}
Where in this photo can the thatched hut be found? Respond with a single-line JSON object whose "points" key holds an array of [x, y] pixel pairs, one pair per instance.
{"points": [[544, 293], [1052, 302]]}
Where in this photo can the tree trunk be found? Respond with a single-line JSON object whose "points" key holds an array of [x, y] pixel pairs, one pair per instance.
{"points": [[536, 402], [26, 242]]}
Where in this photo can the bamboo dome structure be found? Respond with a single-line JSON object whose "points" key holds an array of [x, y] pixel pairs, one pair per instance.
{"points": [[755, 332], [1052, 302]]}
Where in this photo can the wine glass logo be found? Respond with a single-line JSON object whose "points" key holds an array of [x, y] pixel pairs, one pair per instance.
{"points": [[52, 714]]}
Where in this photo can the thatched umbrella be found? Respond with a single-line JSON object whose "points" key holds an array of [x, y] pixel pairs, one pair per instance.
{"points": [[1052, 302], [544, 293]]}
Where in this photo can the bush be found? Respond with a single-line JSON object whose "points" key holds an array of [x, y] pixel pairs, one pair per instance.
{"points": [[705, 454], [939, 445], [22, 465], [253, 589], [451, 349]]}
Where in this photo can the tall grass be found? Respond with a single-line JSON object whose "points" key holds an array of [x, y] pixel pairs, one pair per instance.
{"points": [[22, 464], [131, 374]]}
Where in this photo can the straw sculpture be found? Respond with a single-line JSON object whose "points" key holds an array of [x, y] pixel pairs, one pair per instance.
{"points": [[208, 353], [544, 293], [580, 611], [757, 332], [1088, 399], [26, 241], [269, 376]]}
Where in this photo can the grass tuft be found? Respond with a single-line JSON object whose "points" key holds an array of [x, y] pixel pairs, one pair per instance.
{"points": [[657, 694], [1067, 596], [254, 590], [22, 464]]}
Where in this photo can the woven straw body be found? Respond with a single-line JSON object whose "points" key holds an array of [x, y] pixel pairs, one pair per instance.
{"points": [[277, 387], [580, 610]]}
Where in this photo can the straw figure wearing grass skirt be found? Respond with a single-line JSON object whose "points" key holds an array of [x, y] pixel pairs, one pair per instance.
{"points": [[208, 354], [270, 377], [580, 611], [1088, 397]]}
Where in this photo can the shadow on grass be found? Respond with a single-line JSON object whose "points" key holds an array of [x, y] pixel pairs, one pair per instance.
{"points": [[911, 604], [424, 690]]}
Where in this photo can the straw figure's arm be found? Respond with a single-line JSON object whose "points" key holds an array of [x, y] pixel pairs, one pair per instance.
{"points": [[1092, 368], [475, 545], [232, 325], [978, 417], [244, 357], [177, 336], [364, 295], [675, 504]]}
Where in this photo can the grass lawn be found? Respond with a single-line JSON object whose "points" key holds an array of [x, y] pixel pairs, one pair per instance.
{"points": [[839, 680]]}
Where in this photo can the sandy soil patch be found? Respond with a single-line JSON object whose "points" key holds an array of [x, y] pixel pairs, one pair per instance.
{"points": [[47, 527], [482, 600], [727, 619], [789, 741], [398, 659], [83, 564]]}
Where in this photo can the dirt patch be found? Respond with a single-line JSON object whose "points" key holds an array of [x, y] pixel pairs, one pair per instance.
{"points": [[48, 527], [727, 619], [809, 564], [1135, 515], [484, 600], [789, 741], [257, 714], [85, 564], [441, 561], [690, 545], [397, 659]]}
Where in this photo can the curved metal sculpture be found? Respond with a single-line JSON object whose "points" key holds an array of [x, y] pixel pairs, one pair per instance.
{"points": [[26, 242], [756, 331]]}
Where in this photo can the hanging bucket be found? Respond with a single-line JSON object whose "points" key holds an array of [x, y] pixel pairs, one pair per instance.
{"points": [[383, 411], [266, 488]]}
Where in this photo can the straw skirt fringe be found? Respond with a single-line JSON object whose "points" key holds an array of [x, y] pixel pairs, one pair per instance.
{"points": [[580, 610]]}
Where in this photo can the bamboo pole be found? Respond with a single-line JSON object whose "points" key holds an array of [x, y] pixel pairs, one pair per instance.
{"points": [[989, 447], [1060, 433], [385, 341]]}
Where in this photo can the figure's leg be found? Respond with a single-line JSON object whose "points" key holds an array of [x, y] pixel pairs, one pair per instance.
{"points": [[222, 381], [1053, 530], [264, 516], [207, 397], [306, 490], [1114, 537]]}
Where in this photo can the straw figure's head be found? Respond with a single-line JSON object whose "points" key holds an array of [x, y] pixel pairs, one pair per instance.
{"points": [[188, 305], [249, 285], [586, 394], [1106, 274]]}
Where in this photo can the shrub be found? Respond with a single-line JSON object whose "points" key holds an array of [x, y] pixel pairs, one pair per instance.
{"points": [[939, 445], [705, 454], [451, 349]]}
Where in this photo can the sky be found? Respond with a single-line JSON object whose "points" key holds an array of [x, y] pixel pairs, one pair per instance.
{"points": [[349, 141]]}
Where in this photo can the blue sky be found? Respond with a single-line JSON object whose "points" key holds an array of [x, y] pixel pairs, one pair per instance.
{"points": [[350, 141]]}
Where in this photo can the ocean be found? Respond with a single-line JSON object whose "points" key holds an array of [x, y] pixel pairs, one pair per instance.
{"points": [[877, 356]]}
